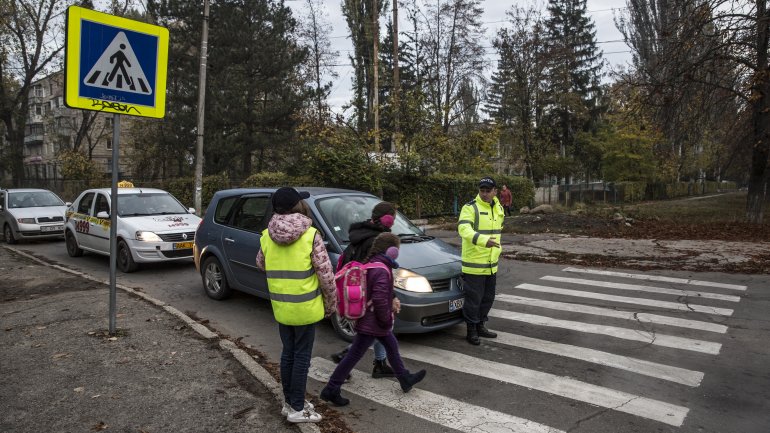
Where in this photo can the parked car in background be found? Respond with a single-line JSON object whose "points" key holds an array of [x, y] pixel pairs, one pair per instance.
{"points": [[226, 244], [29, 213], [153, 226]]}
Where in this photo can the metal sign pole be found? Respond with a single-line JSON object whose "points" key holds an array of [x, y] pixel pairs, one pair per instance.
{"points": [[114, 219]]}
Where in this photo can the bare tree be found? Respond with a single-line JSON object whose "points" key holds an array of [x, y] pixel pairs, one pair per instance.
{"points": [[32, 38], [718, 44], [454, 55], [314, 33]]}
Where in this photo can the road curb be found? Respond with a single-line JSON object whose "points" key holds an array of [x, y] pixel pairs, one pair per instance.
{"points": [[253, 367]]}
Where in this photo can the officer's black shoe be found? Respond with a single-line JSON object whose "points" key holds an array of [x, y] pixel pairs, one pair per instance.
{"points": [[382, 369], [473, 334], [484, 332]]}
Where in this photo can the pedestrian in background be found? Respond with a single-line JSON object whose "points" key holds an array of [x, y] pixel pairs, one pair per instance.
{"points": [[376, 324], [506, 199], [362, 235], [300, 279], [480, 226]]}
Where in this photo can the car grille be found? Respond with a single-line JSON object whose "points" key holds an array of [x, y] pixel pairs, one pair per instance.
{"points": [[177, 237], [175, 254], [441, 318], [50, 219], [441, 285]]}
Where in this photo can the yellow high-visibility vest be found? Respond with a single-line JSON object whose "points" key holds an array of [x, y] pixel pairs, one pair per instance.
{"points": [[479, 221], [291, 280]]}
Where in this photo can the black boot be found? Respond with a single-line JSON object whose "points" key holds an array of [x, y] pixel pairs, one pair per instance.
{"points": [[408, 380], [484, 332], [473, 334], [337, 357], [382, 369], [334, 398]]}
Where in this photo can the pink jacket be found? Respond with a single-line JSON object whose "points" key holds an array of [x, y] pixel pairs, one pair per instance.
{"points": [[285, 229]]}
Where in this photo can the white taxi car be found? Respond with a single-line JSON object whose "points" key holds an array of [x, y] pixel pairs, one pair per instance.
{"points": [[153, 226]]}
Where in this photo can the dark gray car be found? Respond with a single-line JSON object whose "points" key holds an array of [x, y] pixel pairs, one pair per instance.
{"points": [[227, 241]]}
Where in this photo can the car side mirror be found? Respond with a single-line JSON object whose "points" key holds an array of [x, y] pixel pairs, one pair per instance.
{"points": [[67, 203], [191, 210], [103, 215]]}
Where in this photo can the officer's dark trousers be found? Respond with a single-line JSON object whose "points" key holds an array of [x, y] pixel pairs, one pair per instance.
{"points": [[479, 296]]}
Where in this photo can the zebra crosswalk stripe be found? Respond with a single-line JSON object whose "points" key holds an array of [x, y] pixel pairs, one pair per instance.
{"points": [[640, 288], [609, 312], [633, 365], [628, 300], [438, 409], [657, 278], [667, 413], [653, 338]]}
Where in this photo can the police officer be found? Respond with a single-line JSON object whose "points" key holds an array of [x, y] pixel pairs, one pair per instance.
{"points": [[480, 227]]}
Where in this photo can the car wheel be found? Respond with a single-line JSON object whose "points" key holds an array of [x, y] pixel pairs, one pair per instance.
{"points": [[8, 235], [343, 327], [214, 279], [72, 245], [126, 261]]}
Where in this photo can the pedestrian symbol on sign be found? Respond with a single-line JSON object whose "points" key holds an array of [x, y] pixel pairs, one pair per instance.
{"points": [[118, 69]]}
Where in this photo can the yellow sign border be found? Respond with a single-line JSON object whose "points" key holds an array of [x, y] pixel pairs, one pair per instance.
{"points": [[72, 64]]}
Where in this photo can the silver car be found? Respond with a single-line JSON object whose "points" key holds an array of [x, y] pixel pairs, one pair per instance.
{"points": [[31, 214]]}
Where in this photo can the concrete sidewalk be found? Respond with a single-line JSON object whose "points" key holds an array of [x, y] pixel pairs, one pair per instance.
{"points": [[162, 372]]}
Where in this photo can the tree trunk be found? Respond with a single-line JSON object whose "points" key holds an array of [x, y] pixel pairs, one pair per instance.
{"points": [[760, 121]]}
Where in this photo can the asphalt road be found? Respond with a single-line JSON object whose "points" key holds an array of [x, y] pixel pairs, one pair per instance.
{"points": [[578, 351]]}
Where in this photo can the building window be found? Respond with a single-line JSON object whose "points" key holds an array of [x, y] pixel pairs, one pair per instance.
{"points": [[108, 123], [109, 165], [37, 90], [38, 109], [109, 143]]}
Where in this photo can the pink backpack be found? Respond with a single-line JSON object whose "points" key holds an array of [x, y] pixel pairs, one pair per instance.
{"points": [[352, 299]]}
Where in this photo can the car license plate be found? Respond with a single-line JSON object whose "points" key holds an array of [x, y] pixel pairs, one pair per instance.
{"points": [[456, 304], [183, 245], [51, 228]]}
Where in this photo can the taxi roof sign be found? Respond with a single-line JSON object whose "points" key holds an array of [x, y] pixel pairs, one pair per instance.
{"points": [[114, 64], [125, 184]]}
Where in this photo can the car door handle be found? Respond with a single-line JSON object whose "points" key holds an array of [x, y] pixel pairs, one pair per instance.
{"points": [[230, 240]]}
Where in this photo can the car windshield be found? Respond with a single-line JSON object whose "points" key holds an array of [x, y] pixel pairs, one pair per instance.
{"points": [[142, 204], [342, 211], [33, 199]]}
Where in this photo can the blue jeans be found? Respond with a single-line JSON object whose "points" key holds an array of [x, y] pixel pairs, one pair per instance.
{"points": [[295, 362], [379, 351], [361, 343]]}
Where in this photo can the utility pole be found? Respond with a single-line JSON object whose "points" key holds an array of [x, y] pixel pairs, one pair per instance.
{"points": [[396, 83], [376, 66], [201, 109]]}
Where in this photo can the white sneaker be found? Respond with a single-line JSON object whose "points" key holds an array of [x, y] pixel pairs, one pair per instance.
{"points": [[286, 408], [304, 415]]}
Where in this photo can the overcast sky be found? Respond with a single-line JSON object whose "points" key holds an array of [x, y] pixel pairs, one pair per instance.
{"points": [[601, 11]]}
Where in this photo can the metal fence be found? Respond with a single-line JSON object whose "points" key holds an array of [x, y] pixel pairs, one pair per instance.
{"points": [[625, 192]]}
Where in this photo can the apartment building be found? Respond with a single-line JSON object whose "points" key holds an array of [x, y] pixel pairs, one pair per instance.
{"points": [[53, 127]]}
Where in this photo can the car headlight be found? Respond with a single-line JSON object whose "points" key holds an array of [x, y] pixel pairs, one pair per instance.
{"points": [[26, 220], [148, 237], [407, 280]]}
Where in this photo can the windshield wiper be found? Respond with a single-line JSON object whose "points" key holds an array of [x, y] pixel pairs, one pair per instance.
{"points": [[411, 238], [133, 214]]}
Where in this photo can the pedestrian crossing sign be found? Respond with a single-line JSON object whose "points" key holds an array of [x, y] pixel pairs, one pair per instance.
{"points": [[114, 64]]}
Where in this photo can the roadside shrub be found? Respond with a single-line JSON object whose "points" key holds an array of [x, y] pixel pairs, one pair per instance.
{"points": [[633, 191], [266, 179]]}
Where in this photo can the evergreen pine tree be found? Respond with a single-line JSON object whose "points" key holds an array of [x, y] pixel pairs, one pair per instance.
{"points": [[573, 73]]}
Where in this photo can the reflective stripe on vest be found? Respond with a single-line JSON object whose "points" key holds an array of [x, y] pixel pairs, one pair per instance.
{"points": [[485, 220], [291, 280]]}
